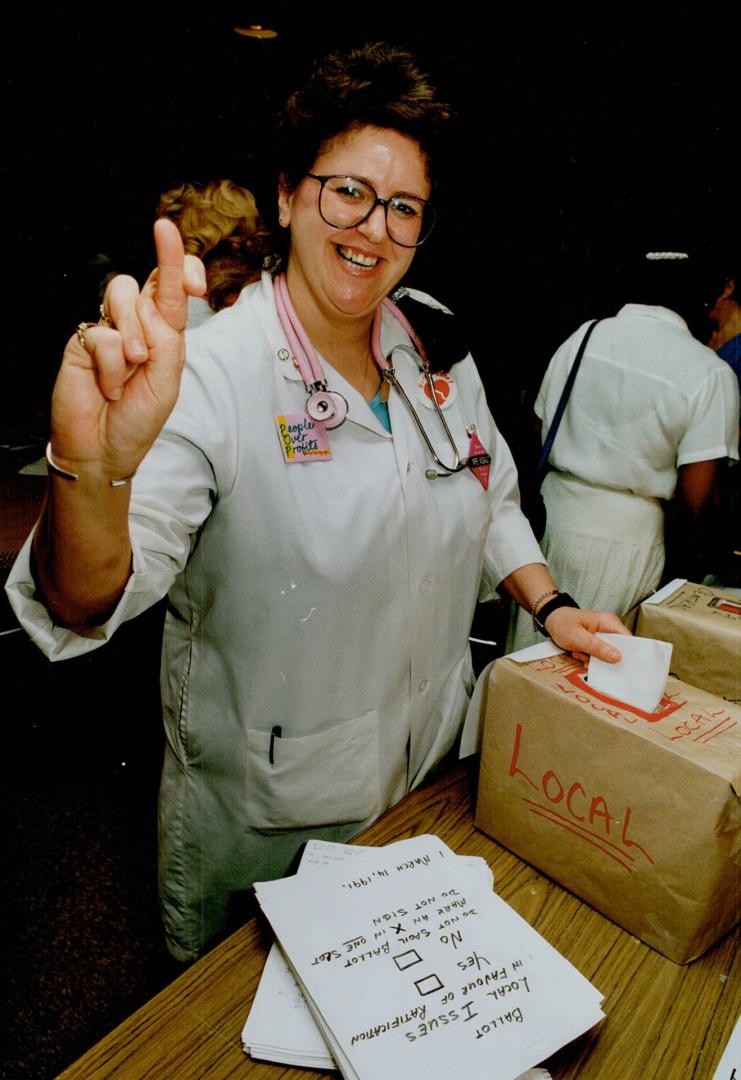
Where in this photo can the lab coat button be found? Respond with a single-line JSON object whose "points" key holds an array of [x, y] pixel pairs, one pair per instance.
{"points": [[423, 686], [430, 474]]}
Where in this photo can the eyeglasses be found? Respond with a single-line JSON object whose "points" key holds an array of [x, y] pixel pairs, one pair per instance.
{"points": [[345, 201]]}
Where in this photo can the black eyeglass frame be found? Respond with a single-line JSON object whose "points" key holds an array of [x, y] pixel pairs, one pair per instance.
{"points": [[428, 208]]}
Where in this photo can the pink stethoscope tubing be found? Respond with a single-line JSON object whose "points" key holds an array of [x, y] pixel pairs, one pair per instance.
{"points": [[326, 406], [330, 407]]}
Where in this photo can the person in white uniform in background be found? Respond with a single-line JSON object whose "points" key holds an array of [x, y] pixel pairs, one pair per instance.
{"points": [[652, 413], [316, 663]]}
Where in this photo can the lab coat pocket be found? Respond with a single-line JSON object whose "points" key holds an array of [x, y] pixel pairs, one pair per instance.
{"points": [[328, 778]]}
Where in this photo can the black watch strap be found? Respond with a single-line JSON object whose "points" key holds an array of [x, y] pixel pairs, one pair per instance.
{"points": [[562, 600]]}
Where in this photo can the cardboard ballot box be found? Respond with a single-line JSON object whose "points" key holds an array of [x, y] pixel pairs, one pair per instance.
{"points": [[637, 813], [704, 627]]}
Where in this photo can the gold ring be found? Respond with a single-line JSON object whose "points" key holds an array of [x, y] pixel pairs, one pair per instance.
{"points": [[81, 333], [104, 318]]}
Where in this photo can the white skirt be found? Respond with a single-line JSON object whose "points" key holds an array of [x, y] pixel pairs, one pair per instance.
{"points": [[604, 547]]}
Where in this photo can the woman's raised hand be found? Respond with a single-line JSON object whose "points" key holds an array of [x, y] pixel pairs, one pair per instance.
{"points": [[114, 393]]}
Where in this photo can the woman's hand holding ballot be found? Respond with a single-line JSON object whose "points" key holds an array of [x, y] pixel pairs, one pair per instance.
{"points": [[574, 629]]}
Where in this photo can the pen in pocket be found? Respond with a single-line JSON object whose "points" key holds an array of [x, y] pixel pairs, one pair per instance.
{"points": [[274, 734]]}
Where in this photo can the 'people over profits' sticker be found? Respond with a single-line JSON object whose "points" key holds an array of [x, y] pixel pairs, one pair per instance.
{"points": [[302, 439]]}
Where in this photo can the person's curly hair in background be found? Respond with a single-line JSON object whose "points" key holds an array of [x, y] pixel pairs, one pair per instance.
{"points": [[220, 223]]}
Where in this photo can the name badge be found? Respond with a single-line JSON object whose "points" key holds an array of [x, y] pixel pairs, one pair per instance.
{"points": [[479, 460], [302, 439]]}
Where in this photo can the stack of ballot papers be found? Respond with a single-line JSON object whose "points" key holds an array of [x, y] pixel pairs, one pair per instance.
{"points": [[399, 962]]}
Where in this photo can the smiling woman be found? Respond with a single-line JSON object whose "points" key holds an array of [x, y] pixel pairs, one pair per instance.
{"points": [[321, 579], [338, 275], [363, 132]]}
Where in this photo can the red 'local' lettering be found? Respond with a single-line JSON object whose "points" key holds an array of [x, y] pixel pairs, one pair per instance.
{"points": [[575, 796]]}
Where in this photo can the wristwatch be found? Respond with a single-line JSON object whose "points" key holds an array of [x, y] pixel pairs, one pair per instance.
{"points": [[560, 600]]}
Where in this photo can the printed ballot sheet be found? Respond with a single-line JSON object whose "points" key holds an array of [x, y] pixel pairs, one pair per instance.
{"points": [[280, 1026], [412, 967]]}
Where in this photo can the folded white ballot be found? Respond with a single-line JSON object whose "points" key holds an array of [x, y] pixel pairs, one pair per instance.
{"points": [[639, 678], [412, 967]]}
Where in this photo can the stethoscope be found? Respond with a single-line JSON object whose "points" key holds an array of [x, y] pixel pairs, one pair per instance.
{"points": [[329, 406]]}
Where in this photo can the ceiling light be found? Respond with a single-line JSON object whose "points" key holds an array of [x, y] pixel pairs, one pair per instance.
{"points": [[256, 30]]}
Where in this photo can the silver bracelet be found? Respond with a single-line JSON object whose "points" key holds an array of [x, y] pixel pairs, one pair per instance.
{"points": [[58, 471], [533, 609]]}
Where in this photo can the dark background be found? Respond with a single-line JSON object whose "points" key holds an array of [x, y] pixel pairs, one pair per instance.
{"points": [[585, 134]]}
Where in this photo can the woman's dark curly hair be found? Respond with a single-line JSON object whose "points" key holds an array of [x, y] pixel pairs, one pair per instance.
{"points": [[376, 84]]}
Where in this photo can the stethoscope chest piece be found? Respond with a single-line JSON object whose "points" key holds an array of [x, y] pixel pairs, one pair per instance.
{"points": [[327, 406]]}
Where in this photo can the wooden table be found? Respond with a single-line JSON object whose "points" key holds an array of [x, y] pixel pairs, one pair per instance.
{"points": [[662, 1020]]}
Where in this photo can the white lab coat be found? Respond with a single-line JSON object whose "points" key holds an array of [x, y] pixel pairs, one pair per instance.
{"points": [[330, 598]]}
